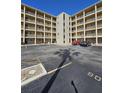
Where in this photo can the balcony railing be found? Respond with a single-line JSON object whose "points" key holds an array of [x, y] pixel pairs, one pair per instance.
{"points": [[53, 36], [73, 19], [80, 23], [40, 16], [99, 9], [48, 25], [99, 25], [90, 34], [80, 17], [41, 23], [90, 20], [73, 24], [40, 35], [40, 29], [30, 28], [99, 34], [48, 36], [53, 25], [80, 36], [90, 27], [73, 35], [22, 18], [80, 29], [89, 13], [47, 18], [31, 13], [28, 20], [47, 30], [99, 17], [21, 26], [22, 11], [73, 30], [30, 35]]}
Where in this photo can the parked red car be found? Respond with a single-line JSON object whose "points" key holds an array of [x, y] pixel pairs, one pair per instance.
{"points": [[76, 42]]}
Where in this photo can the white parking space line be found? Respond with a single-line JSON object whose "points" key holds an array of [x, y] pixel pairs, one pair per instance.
{"points": [[59, 68]]}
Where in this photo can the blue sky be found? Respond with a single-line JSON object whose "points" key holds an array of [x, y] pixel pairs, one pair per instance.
{"points": [[55, 7]]}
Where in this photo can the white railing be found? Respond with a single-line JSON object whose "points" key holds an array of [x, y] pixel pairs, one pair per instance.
{"points": [[99, 17], [89, 13], [31, 13], [99, 9], [28, 20], [90, 34], [99, 25], [40, 16], [89, 20], [30, 35], [30, 28], [80, 17]]}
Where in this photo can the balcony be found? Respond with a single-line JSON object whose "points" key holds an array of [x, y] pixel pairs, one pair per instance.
{"points": [[47, 18], [30, 21], [79, 17], [30, 35], [48, 31], [73, 19], [90, 20], [40, 16], [99, 25], [30, 28], [47, 36], [99, 9], [90, 13], [90, 35], [21, 26], [80, 29], [53, 36], [99, 34], [99, 17], [40, 23], [54, 20], [22, 11], [90, 27], [74, 36], [21, 35], [40, 36], [73, 25], [30, 13], [49, 25], [80, 23], [22, 19], [54, 25]]}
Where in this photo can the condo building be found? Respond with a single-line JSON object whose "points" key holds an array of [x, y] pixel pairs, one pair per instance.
{"points": [[38, 27]]}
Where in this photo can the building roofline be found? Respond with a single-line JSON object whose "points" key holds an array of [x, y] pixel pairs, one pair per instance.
{"points": [[86, 8], [38, 9], [62, 12]]}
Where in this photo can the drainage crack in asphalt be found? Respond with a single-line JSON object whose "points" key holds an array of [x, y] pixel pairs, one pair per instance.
{"points": [[65, 55]]}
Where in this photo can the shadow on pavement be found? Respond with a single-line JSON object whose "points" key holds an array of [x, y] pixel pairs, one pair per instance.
{"points": [[65, 55]]}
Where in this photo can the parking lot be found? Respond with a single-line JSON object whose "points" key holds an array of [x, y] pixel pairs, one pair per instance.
{"points": [[71, 69]]}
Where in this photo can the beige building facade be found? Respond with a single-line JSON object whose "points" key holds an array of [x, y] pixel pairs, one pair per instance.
{"points": [[38, 27]]}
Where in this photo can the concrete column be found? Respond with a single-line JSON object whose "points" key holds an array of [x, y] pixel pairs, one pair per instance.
{"points": [[35, 42], [84, 25], [44, 29], [24, 27], [70, 30], [51, 31], [76, 26], [96, 24]]}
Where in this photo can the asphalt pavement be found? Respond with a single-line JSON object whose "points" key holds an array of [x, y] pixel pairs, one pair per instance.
{"points": [[82, 75]]}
